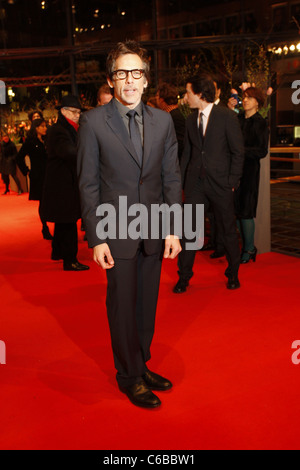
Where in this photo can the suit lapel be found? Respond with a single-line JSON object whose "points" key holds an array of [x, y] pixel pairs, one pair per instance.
{"points": [[195, 130], [148, 132], [116, 124], [210, 124]]}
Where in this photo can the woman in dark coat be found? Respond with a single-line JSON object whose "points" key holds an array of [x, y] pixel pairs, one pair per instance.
{"points": [[34, 147], [61, 203], [256, 138], [8, 166]]}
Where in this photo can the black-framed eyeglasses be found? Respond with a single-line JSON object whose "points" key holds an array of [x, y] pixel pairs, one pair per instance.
{"points": [[73, 111], [122, 74]]}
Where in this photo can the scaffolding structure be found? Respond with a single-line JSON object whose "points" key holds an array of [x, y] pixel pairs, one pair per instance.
{"points": [[95, 49], [50, 80]]}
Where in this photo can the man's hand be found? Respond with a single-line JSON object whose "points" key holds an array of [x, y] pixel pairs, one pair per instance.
{"points": [[102, 256], [172, 247], [232, 103]]}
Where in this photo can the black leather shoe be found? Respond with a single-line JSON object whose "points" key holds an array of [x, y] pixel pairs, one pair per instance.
{"points": [[233, 282], [75, 266], [217, 254], [156, 382], [180, 286], [140, 395]]}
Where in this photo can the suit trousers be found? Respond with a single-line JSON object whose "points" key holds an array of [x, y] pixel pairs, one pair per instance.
{"points": [[221, 201], [214, 237], [65, 241], [132, 293]]}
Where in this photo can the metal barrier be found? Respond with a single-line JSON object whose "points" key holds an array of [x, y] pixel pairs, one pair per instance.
{"points": [[285, 200]]}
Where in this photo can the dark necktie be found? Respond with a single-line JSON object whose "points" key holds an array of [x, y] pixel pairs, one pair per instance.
{"points": [[201, 126], [135, 135], [202, 170]]}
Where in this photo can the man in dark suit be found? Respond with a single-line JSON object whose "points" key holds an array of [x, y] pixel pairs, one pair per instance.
{"points": [[214, 242], [211, 167], [128, 151]]}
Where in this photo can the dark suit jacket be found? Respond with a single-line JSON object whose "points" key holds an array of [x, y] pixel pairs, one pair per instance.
{"points": [[222, 153], [108, 168]]}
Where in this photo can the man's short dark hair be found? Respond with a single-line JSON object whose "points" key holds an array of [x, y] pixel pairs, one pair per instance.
{"points": [[123, 48], [104, 89], [168, 93], [203, 84]]}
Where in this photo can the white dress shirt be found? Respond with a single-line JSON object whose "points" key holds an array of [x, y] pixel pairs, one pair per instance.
{"points": [[206, 112]]}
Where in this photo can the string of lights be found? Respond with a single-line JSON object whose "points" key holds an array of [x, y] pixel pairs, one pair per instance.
{"points": [[285, 49]]}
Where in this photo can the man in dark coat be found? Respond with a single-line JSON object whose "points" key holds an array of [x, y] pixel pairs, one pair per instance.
{"points": [[211, 168], [61, 196]]}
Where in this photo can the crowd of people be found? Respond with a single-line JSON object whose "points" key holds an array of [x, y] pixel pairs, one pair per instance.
{"points": [[151, 153]]}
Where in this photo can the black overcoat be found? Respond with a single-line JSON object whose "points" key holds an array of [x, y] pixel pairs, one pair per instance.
{"points": [[8, 153], [256, 139], [60, 202], [36, 151]]}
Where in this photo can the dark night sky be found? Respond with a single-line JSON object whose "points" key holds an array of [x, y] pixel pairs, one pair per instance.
{"points": [[24, 23]]}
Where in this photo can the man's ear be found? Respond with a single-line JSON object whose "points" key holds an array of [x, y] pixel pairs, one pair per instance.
{"points": [[110, 83]]}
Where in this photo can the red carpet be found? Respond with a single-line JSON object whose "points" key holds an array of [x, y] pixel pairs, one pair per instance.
{"points": [[227, 353]]}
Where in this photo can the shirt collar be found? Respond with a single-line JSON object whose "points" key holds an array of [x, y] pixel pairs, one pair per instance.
{"points": [[123, 110], [207, 110]]}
